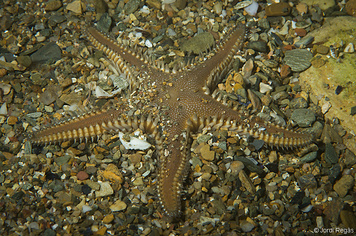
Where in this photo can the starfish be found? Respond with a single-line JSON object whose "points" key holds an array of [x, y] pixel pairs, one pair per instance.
{"points": [[173, 105]]}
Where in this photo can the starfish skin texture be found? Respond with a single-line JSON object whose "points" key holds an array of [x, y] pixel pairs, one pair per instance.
{"points": [[178, 103]]}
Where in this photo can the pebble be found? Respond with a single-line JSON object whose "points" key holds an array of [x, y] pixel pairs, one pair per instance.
{"points": [[206, 153], [236, 167], [351, 7], [343, 185], [46, 54], [53, 5], [305, 41], [82, 175], [199, 43], [118, 206], [298, 103], [75, 7], [322, 49], [108, 218], [246, 182], [330, 154], [348, 219], [246, 226], [309, 157], [303, 117], [105, 190], [278, 9], [259, 46], [298, 59]]}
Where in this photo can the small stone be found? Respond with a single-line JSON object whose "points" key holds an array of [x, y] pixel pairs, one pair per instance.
{"points": [[105, 190], [236, 167], [206, 153], [322, 4], [351, 7], [75, 7], [318, 62], [47, 54], [325, 107], [82, 175], [343, 185], [154, 3], [298, 59], [348, 219], [53, 5], [302, 8], [118, 206], [349, 158], [330, 154], [285, 71], [259, 46], [309, 157], [322, 49], [353, 111], [247, 182], [101, 231], [305, 41], [278, 9], [24, 60], [198, 43], [307, 181], [246, 226], [12, 120], [107, 219], [131, 6], [138, 181], [303, 117], [298, 103]]}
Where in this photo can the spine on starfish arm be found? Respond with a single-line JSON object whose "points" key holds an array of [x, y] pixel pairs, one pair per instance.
{"points": [[270, 133], [121, 55], [92, 125]]}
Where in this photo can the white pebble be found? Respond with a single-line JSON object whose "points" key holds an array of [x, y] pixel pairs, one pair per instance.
{"points": [[264, 88]]}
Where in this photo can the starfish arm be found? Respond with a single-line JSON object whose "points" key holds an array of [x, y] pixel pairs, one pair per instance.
{"points": [[92, 125], [122, 56], [212, 70], [173, 169]]}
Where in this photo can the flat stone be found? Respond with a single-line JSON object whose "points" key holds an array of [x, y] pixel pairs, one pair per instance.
{"points": [[247, 182], [47, 54], [206, 153], [278, 9], [53, 5], [198, 43], [351, 7], [75, 7], [118, 206], [322, 4], [298, 59], [309, 157], [348, 219], [343, 185], [105, 190], [303, 117], [330, 154], [82, 175], [108, 219]]}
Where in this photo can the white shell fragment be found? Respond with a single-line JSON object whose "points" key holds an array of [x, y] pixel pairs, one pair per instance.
{"points": [[252, 9], [101, 93], [135, 143]]}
